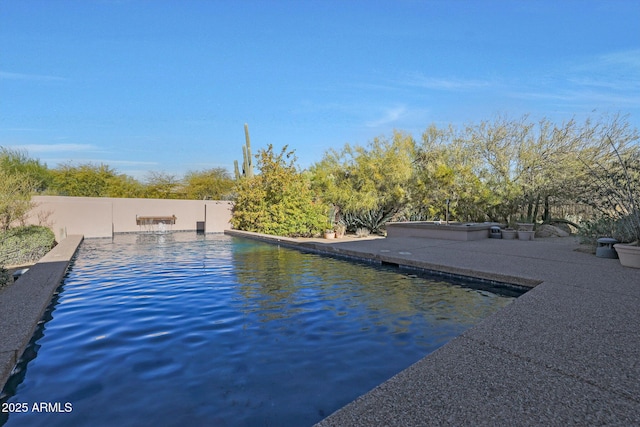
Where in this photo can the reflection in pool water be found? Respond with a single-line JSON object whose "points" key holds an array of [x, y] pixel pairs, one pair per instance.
{"points": [[181, 329]]}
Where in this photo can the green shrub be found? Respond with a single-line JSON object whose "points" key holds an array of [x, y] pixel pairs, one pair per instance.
{"points": [[15, 198], [279, 200], [618, 228], [5, 277], [25, 245]]}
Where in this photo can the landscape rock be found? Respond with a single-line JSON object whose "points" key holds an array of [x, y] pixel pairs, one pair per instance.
{"points": [[546, 230], [562, 226]]}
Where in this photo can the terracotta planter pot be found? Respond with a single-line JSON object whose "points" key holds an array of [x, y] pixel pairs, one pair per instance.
{"points": [[329, 234], [629, 255]]}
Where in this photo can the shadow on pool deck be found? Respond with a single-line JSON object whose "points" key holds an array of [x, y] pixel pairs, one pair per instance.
{"points": [[565, 353]]}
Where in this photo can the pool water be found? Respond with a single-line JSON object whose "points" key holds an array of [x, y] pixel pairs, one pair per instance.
{"points": [[183, 329]]}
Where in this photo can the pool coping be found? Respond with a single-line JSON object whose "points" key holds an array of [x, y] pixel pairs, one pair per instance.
{"points": [[25, 301], [564, 353]]}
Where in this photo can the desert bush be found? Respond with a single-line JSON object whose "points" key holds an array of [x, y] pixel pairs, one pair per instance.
{"points": [[369, 184], [15, 198], [618, 228], [24, 245], [614, 186], [279, 200], [5, 277]]}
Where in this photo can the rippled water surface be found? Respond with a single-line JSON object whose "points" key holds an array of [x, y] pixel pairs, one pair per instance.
{"points": [[187, 330]]}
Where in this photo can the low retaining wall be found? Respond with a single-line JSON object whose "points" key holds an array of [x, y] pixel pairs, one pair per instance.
{"points": [[23, 303], [103, 216]]}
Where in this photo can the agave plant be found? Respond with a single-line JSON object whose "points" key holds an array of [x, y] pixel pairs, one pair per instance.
{"points": [[372, 219]]}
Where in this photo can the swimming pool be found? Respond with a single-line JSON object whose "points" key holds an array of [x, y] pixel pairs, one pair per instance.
{"points": [[186, 329]]}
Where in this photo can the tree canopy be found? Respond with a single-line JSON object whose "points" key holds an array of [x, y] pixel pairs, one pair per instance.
{"points": [[211, 184], [367, 184], [502, 170], [92, 180]]}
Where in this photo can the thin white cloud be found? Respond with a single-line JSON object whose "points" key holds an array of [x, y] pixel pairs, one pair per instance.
{"points": [[445, 84], [609, 80], [195, 166], [628, 60], [21, 129], [615, 71], [582, 96], [391, 115], [539, 93], [606, 84], [54, 148], [127, 162], [4, 75], [109, 162]]}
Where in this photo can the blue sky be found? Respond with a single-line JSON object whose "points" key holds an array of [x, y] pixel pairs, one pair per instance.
{"points": [[168, 85]]}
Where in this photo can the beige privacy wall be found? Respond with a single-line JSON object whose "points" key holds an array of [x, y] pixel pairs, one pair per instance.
{"points": [[101, 217]]}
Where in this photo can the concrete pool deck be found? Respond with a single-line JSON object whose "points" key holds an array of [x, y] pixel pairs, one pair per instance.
{"points": [[565, 353]]}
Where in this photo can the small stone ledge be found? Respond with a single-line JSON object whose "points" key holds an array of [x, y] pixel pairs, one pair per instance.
{"points": [[25, 301]]}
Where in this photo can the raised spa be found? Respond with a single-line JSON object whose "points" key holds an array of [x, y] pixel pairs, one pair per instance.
{"points": [[440, 230]]}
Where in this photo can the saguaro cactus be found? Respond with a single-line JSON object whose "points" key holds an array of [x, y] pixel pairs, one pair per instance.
{"points": [[247, 163], [236, 170]]}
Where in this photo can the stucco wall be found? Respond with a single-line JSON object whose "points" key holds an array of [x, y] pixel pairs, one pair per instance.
{"points": [[101, 217]]}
